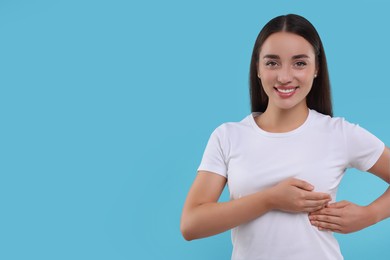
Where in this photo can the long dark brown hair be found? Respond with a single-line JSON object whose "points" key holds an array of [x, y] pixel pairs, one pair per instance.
{"points": [[319, 97]]}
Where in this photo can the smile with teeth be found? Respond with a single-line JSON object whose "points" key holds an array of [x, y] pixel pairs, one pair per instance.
{"points": [[286, 90]]}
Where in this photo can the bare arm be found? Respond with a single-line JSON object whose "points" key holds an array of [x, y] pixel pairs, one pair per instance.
{"points": [[380, 208], [204, 216], [347, 217]]}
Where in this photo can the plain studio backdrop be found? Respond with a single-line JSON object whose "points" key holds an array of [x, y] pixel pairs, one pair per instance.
{"points": [[106, 108]]}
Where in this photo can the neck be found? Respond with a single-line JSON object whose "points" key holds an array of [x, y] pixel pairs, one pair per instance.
{"points": [[278, 120]]}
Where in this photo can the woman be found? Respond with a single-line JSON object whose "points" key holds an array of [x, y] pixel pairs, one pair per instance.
{"points": [[284, 162]]}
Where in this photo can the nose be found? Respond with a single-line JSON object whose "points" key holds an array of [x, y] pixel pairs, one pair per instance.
{"points": [[284, 76]]}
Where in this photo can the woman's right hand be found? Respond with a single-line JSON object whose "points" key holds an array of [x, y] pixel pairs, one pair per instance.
{"points": [[204, 216], [294, 195]]}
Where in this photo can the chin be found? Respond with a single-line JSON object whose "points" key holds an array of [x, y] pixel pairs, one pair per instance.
{"points": [[289, 105]]}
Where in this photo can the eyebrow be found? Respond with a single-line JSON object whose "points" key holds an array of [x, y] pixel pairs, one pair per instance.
{"points": [[276, 57]]}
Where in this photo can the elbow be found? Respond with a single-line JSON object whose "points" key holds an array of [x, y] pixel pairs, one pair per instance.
{"points": [[186, 231], [187, 236]]}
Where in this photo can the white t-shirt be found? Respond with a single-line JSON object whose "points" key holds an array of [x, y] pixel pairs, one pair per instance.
{"points": [[251, 159]]}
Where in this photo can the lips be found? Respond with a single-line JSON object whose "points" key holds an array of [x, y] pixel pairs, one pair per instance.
{"points": [[285, 91]]}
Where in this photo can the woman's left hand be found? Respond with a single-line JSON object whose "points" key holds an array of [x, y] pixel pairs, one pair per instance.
{"points": [[341, 217]]}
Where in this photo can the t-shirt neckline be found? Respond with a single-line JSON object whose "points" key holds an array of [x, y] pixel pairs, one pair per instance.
{"points": [[285, 134]]}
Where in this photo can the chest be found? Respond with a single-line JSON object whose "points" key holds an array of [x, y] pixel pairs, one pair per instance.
{"points": [[256, 164]]}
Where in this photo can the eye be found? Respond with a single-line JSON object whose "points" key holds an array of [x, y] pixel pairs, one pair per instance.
{"points": [[300, 64], [271, 64]]}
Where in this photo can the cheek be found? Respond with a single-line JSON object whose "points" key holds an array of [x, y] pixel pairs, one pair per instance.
{"points": [[268, 84], [268, 78], [305, 78]]}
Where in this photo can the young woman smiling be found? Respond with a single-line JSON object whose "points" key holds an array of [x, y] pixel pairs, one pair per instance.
{"points": [[283, 163]]}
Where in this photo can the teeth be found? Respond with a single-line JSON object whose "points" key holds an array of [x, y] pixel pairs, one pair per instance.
{"points": [[286, 90]]}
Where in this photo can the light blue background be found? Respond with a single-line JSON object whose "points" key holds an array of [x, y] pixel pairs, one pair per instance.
{"points": [[106, 107]]}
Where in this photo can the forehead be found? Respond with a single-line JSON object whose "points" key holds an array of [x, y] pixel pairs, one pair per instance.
{"points": [[285, 44]]}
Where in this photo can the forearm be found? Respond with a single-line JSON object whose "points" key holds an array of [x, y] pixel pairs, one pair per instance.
{"points": [[380, 208], [204, 217], [213, 218]]}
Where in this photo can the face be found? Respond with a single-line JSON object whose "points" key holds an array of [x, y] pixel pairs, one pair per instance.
{"points": [[286, 68]]}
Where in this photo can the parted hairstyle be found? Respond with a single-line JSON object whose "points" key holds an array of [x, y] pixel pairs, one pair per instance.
{"points": [[319, 97]]}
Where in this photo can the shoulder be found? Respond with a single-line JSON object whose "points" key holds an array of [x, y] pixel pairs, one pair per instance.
{"points": [[232, 128], [329, 123], [339, 126]]}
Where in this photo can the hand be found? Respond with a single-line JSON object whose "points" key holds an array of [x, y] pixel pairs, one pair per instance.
{"points": [[293, 195], [341, 217]]}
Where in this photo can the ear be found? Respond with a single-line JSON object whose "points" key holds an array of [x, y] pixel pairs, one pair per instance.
{"points": [[258, 71]]}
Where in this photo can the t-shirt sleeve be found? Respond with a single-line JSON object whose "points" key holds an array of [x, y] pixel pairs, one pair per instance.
{"points": [[214, 155], [363, 148]]}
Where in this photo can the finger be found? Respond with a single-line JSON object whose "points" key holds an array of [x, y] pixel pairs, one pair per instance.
{"points": [[326, 219], [337, 230], [318, 196], [327, 212], [340, 204], [310, 210], [331, 230], [302, 184], [316, 203], [318, 212], [325, 226]]}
